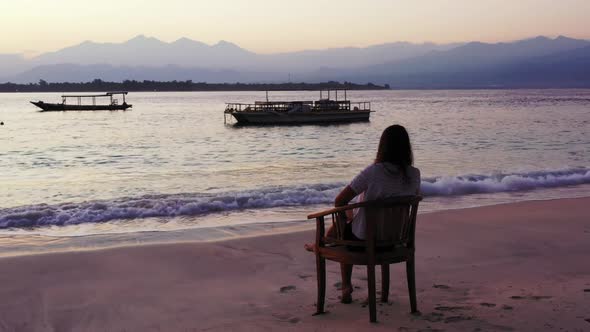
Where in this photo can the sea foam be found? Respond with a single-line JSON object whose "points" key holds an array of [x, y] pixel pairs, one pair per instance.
{"points": [[504, 182], [194, 204]]}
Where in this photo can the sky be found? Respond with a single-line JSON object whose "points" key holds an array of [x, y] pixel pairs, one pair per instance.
{"points": [[271, 26]]}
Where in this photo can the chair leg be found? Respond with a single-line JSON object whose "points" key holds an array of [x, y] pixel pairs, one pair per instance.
{"points": [[372, 297], [411, 274], [321, 274], [384, 283]]}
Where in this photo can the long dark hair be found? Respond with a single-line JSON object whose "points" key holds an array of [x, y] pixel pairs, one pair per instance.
{"points": [[395, 148]]}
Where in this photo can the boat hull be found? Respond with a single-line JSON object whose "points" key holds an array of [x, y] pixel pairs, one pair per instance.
{"points": [[277, 118], [47, 107]]}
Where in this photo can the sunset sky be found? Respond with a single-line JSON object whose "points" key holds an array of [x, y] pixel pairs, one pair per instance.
{"points": [[264, 26]]}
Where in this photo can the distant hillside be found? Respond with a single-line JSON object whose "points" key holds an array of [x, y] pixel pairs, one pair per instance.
{"points": [[538, 62], [535, 62], [12, 64], [477, 55], [148, 51], [143, 51]]}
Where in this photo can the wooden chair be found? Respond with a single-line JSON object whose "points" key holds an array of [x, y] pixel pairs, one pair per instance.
{"points": [[390, 230]]}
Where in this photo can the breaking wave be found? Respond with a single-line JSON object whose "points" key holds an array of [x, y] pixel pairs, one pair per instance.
{"points": [[201, 204], [504, 182], [164, 206]]}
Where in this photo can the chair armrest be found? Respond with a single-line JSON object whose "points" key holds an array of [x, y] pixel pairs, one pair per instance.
{"points": [[336, 210], [393, 200]]}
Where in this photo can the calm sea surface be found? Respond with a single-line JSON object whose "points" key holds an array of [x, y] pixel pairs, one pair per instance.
{"points": [[171, 164]]}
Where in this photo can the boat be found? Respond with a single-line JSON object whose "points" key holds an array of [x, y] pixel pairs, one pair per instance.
{"points": [[77, 105], [322, 111]]}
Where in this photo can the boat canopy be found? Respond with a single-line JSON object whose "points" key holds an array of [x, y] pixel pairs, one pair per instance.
{"points": [[108, 94], [113, 101]]}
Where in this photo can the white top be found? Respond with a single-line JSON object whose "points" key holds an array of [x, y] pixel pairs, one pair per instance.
{"points": [[381, 180]]}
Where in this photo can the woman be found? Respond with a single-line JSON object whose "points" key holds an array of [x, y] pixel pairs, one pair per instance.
{"points": [[391, 174]]}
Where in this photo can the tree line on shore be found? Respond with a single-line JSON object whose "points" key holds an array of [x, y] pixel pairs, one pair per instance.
{"points": [[98, 85]]}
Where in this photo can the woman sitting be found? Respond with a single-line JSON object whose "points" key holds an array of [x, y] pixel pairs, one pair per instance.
{"points": [[391, 174]]}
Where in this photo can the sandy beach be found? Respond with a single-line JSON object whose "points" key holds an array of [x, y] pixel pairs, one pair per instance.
{"points": [[513, 267]]}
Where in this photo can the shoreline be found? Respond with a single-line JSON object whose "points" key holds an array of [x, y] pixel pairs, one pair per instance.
{"points": [[42, 244], [509, 267]]}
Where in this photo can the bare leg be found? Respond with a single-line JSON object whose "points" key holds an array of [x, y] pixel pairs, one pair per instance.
{"points": [[346, 271], [330, 233], [349, 215]]}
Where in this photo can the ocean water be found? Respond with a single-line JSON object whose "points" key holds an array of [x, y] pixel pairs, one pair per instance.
{"points": [[171, 164]]}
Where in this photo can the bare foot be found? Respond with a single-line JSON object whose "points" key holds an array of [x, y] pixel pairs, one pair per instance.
{"points": [[309, 247], [346, 295], [346, 299]]}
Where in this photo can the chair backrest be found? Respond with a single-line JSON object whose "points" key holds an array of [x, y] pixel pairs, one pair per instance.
{"points": [[392, 221], [389, 222]]}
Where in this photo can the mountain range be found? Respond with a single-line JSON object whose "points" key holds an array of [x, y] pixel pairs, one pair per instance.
{"points": [[534, 62]]}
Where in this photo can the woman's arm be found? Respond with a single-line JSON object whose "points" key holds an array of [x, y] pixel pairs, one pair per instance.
{"points": [[345, 196]]}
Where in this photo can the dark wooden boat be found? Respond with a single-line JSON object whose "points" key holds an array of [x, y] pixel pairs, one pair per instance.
{"points": [[322, 111], [67, 105]]}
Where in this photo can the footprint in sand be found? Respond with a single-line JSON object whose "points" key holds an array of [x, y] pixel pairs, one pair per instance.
{"points": [[433, 317], [493, 327], [507, 307], [286, 289], [587, 290], [441, 286], [531, 297], [286, 318], [454, 319], [451, 308], [486, 304]]}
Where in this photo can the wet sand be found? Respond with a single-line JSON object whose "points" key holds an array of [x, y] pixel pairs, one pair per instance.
{"points": [[512, 267]]}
